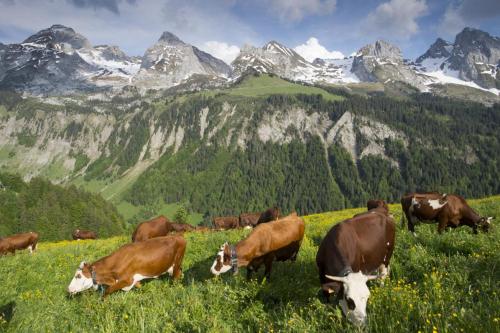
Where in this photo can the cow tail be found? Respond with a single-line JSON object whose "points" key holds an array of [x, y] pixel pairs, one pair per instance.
{"points": [[402, 220]]}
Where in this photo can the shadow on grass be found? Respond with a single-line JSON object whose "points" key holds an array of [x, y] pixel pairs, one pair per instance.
{"points": [[199, 271], [7, 312]]}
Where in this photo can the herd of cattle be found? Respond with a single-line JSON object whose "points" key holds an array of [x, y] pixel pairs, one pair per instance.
{"points": [[353, 251]]}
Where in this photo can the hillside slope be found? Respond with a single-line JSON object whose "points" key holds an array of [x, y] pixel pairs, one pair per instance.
{"points": [[53, 211], [245, 148], [445, 283]]}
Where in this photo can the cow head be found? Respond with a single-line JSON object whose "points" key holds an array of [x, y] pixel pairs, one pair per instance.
{"points": [[222, 262], [485, 223], [82, 279], [355, 295]]}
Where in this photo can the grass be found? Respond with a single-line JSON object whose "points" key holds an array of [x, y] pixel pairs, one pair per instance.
{"points": [[265, 85], [444, 283], [262, 86]]}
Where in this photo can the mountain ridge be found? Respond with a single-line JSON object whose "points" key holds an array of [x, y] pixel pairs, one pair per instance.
{"points": [[60, 61]]}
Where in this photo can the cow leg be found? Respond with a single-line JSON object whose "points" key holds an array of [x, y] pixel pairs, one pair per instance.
{"points": [[30, 249], [383, 271], [177, 273], [443, 222], [120, 284], [249, 272], [269, 265]]}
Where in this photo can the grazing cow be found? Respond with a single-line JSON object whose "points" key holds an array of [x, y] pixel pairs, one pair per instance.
{"points": [[449, 210], [270, 214], [378, 204], [157, 227], [249, 219], [253, 219], [83, 234], [23, 241], [131, 263], [182, 227], [226, 222], [267, 242], [350, 251]]}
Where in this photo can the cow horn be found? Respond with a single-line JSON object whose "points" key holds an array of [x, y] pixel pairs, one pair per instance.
{"points": [[336, 278], [372, 277]]}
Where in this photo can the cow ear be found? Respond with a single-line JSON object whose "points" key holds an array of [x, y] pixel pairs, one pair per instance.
{"points": [[82, 264]]}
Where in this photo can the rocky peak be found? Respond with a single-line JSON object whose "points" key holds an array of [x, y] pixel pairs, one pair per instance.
{"points": [[440, 49], [112, 52], [381, 49], [474, 40], [169, 38], [59, 34]]}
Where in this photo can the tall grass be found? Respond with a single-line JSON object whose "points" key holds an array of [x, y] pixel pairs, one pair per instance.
{"points": [[444, 283]]}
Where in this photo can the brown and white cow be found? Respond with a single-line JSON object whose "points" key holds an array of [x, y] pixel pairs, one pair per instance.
{"points": [[157, 227], [349, 253], [23, 241], [267, 242], [226, 222], [449, 210], [84, 234], [131, 263]]}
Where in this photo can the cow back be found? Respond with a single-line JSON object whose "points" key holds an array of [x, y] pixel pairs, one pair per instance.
{"points": [[156, 227], [269, 237]]}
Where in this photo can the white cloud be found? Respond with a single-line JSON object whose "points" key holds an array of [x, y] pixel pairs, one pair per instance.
{"points": [[221, 50], [137, 27], [312, 49], [467, 13], [452, 22], [395, 19], [296, 10]]}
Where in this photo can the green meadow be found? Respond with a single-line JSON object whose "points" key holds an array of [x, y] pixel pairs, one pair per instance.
{"points": [[438, 283]]}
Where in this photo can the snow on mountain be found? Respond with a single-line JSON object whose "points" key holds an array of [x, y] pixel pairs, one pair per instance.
{"points": [[335, 70], [472, 60], [171, 62]]}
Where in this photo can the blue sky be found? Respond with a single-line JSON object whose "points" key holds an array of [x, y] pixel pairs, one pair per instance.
{"points": [[222, 26]]}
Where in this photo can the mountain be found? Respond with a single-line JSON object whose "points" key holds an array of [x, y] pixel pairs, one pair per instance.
{"points": [[276, 59], [383, 62], [58, 60], [473, 58], [261, 142], [171, 62]]}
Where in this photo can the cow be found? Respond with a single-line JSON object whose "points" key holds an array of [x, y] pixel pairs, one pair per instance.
{"points": [[182, 227], [249, 219], [270, 214], [226, 222], [347, 256], [23, 241], [378, 204], [157, 227], [448, 210], [267, 242], [83, 234], [253, 219], [131, 263]]}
